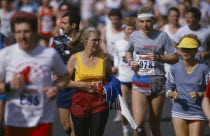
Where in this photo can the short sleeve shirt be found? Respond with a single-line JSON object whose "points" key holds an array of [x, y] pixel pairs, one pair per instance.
{"points": [[158, 42]]}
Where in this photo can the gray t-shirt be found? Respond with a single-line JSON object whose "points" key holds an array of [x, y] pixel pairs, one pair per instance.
{"points": [[158, 42]]}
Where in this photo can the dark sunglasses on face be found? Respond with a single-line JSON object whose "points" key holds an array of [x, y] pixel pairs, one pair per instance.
{"points": [[188, 49]]}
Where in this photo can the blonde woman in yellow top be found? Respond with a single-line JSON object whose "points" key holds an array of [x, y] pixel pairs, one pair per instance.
{"points": [[89, 107]]}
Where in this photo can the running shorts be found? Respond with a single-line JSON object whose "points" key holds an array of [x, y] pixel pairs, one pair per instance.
{"points": [[149, 85]]}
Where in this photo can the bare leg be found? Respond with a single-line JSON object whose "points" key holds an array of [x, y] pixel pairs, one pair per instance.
{"points": [[139, 107], [196, 128], [181, 127], [155, 110], [66, 121], [2, 129]]}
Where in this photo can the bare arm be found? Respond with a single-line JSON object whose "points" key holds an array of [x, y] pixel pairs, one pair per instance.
{"points": [[72, 66], [62, 81], [206, 107], [172, 59], [108, 65]]}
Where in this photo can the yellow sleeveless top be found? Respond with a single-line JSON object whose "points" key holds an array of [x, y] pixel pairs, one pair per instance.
{"points": [[94, 74]]}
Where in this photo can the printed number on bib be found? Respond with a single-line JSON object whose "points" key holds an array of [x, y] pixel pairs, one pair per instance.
{"points": [[146, 66], [47, 26], [30, 98]]}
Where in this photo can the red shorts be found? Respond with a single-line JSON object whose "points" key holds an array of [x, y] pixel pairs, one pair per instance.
{"points": [[84, 104], [44, 129]]}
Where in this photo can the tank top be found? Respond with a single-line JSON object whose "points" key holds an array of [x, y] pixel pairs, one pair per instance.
{"points": [[5, 23], [170, 34], [113, 4], [83, 103], [93, 74], [111, 39], [47, 22]]}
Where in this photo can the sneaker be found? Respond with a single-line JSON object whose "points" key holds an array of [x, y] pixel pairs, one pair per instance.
{"points": [[117, 118], [126, 134]]}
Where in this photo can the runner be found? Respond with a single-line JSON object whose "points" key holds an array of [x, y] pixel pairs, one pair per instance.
{"points": [[193, 16], [46, 22], [171, 28], [149, 81], [125, 74], [6, 13], [89, 109], [111, 34], [206, 103], [4, 41], [185, 86], [70, 26], [25, 75]]}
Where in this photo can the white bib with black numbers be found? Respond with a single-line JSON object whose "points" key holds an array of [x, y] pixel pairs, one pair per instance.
{"points": [[146, 66]]}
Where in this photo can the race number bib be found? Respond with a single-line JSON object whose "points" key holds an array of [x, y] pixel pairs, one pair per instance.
{"points": [[47, 26], [99, 86], [31, 99], [146, 66]]}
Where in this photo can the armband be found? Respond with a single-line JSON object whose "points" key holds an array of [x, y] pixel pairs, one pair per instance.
{"points": [[168, 92], [200, 94], [7, 87]]}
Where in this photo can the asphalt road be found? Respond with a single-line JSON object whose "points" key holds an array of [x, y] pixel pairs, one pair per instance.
{"points": [[115, 129]]}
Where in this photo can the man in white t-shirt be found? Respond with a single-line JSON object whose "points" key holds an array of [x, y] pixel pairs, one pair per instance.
{"points": [[193, 16], [25, 76]]}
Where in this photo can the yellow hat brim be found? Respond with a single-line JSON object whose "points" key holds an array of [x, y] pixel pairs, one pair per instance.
{"points": [[188, 43]]}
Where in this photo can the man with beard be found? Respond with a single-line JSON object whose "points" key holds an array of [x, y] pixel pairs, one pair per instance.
{"points": [[66, 45]]}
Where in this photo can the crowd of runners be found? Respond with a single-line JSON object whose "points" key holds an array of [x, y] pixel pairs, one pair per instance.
{"points": [[79, 55]]}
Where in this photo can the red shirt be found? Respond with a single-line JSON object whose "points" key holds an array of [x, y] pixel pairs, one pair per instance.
{"points": [[208, 90]]}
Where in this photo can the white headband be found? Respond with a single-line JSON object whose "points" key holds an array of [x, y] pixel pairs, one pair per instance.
{"points": [[145, 16]]}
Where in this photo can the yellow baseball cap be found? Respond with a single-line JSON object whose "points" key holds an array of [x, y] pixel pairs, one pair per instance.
{"points": [[188, 43]]}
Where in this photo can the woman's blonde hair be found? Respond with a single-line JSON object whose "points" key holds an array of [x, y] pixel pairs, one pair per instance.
{"points": [[86, 33], [82, 35]]}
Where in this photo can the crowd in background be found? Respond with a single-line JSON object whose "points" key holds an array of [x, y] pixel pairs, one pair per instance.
{"points": [[94, 12], [117, 20]]}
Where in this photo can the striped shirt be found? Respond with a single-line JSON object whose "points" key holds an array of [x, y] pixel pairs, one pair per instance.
{"points": [[185, 107]]}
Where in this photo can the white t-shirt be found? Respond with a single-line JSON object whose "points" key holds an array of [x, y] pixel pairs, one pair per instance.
{"points": [[29, 106], [125, 73], [203, 34]]}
